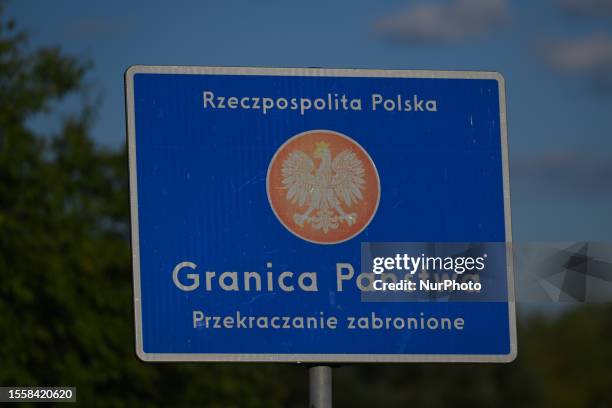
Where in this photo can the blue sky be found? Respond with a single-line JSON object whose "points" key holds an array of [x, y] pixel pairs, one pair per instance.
{"points": [[556, 56]]}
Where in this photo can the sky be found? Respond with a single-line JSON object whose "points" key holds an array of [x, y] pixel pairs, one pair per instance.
{"points": [[555, 55]]}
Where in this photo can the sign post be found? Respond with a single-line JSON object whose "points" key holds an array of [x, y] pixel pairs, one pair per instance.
{"points": [[320, 381], [319, 216]]}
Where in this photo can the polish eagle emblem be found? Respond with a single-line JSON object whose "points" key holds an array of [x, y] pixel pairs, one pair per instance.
{"points": [[327, 192]]}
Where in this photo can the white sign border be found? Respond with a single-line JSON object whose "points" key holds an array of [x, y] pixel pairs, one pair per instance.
{"points": [[313, 358]]}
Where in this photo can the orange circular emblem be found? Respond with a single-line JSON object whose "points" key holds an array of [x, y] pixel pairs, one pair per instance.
{"points": [[323, 186]]}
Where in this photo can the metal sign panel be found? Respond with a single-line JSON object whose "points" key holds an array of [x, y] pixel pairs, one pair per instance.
{"points": [[253, 189]]}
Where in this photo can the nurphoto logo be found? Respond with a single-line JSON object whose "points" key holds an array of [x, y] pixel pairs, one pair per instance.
{"points": [[323, 186]]}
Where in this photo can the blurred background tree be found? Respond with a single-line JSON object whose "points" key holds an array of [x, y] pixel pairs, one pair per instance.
{"points": [[66, 312]]}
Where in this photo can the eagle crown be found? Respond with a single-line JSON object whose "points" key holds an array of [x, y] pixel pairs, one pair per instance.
{"points": [[320, 149]]}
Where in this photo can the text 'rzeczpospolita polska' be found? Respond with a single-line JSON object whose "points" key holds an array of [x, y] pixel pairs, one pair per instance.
{"points": [[329, 102]]}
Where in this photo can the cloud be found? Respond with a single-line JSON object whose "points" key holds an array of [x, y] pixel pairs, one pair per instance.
{"points": [[590, 56], [443, 22], [564, 172], [587, 8]]}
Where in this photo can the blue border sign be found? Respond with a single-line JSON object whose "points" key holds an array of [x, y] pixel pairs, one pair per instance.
{"points": [[254, 190]]}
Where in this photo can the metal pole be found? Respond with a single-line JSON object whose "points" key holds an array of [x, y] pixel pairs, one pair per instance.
{"points": [[320, 386]]}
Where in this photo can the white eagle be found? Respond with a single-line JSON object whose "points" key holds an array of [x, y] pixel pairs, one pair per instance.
{"points": [[335, 183]]}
